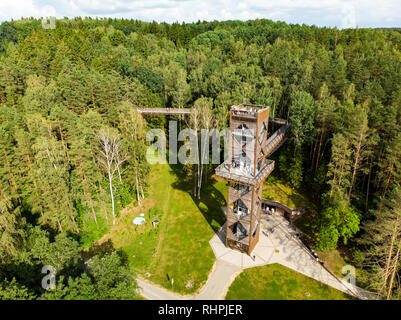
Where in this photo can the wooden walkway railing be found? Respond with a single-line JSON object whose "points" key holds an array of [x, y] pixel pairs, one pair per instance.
{"points": [[178, 111], [273, 143], [187, 111], [277, 139], [294, 213]]}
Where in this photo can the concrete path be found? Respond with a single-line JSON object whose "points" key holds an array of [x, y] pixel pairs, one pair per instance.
{"points": [[151, 291], [293, 254], [282, 246], [216, 287]]}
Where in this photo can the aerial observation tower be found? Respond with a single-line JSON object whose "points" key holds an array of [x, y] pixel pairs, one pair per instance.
{"points": [[245, 170]]}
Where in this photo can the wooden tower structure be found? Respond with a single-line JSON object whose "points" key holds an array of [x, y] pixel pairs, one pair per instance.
{"points": [[245, 170]]}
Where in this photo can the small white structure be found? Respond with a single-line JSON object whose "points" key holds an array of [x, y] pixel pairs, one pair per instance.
{"points": [[138, 220]]}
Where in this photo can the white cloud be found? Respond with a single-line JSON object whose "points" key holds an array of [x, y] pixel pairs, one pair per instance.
{"points": [[362, 13]]}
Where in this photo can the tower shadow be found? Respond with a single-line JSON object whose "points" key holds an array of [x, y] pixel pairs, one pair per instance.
{"points": [[211, 199]]}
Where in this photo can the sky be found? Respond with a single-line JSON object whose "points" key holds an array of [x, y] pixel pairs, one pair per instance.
{"points": [[330, 13]]}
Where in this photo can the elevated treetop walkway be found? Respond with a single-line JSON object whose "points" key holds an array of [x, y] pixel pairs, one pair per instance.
{"points": [[187, 111], [165, 111], [274, 142]]}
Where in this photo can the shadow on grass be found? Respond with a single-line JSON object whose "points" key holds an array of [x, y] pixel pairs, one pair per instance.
{"points": [[211, 199], [103, 248], [99, 249]]}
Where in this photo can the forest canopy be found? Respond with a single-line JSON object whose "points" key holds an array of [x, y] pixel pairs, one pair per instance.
{"points": [[66, 93]]}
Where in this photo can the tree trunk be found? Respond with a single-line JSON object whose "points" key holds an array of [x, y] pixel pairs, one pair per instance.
{"points": [[112, 198], [86, 193], [395, 264], [75, 223], [377, 180], [340, 176], [93, 97], [59, 226], [388, 180], [388, 260], [28, 160], [314, 151], [12, 180], [63, 143], [368, 186], [137, 188], [358, 151], [333, 181], [143, 196], [320, 147]]}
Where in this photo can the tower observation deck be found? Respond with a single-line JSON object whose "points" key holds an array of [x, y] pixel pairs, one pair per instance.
{"points": [[245, 170]]}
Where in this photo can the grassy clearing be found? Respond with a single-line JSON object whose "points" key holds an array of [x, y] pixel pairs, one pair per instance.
{"points": [[179, 246], [277, 190], [276, 282]]}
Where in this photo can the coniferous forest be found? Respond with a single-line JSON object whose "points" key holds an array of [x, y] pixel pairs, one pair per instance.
{"points": [[68, 98]]}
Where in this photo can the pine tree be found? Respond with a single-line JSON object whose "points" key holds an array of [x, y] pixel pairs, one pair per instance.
{"points": [[10, 227], [382, 258], [52, 176], [324, 123], [132, 128], [340, 165], [359, 139]]}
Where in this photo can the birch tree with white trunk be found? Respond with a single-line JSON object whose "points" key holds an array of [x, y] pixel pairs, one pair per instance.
{"points": [[201, 118], [111, 158], [195, 124]]}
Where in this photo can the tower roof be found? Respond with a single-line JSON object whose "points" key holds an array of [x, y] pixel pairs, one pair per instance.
{"points": [[248, 110]]}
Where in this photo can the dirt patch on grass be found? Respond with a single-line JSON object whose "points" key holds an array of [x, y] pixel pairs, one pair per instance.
{"points": [[335, 260]]}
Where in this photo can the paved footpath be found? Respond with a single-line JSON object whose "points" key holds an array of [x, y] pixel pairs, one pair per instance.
{"points": [[293, 254], [281, 246], [151, 291], [216, 287]]}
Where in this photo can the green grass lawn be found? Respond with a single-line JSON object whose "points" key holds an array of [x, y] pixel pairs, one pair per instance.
{"points": [[276, 282], [179, 246], [277, 190]]}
